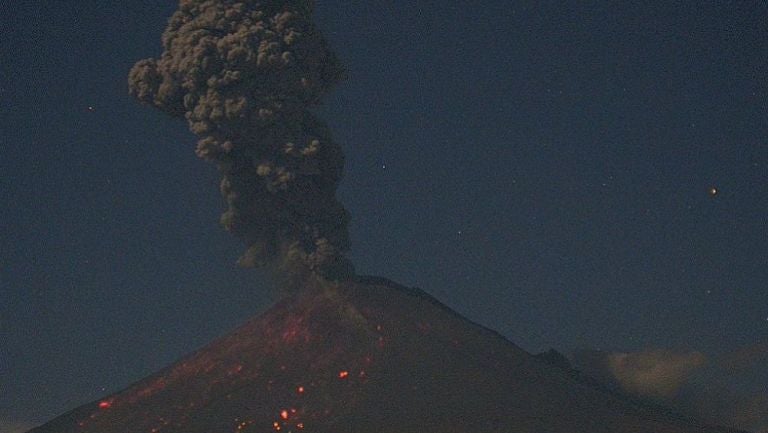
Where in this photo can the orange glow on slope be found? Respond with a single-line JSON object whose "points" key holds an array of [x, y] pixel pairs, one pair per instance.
{"points": [[151, 389], [343, 374], [295, 330], [105, 405], [243, 425]]}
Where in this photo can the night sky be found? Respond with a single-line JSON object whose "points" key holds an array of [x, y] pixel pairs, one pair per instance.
{"points": [[591, 176]]}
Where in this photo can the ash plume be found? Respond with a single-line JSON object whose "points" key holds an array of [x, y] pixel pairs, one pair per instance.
{"points": [[244, 75]]}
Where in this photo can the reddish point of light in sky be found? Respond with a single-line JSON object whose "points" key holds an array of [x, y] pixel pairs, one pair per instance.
{"points": [[284, 414], [343, 374], [300, 390], [105, 405]]}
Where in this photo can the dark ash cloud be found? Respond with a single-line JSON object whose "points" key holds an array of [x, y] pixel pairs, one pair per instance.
{"points": [[244, 75]]}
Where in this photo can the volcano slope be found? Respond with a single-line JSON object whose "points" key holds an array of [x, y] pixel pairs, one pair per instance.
{"points": [[365, 356]]}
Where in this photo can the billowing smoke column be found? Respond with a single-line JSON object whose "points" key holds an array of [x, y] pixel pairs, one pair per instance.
{"points": [[244, 74]]}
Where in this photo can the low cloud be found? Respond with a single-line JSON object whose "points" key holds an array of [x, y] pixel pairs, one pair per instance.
{"points": [[667, 377], [655, 373]]}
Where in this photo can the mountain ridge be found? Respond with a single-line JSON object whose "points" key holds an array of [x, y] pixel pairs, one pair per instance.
{"points": [[365, 355]]}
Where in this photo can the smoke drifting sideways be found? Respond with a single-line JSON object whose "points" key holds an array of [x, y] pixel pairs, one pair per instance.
{"points": [[244, 75]]}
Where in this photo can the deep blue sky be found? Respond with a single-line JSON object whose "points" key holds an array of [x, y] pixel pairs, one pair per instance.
{"points": [[543, 169]]}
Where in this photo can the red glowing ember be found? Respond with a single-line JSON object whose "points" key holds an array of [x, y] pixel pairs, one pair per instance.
{"points": [[300, 390], [105, 405], [300, 425], [284, 414], [343, 374]]}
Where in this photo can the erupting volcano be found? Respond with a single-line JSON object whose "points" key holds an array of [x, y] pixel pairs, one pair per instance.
{"points": [[340, 353]]}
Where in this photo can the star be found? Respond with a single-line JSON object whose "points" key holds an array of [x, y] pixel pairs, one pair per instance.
{"points": [[713, 191]]}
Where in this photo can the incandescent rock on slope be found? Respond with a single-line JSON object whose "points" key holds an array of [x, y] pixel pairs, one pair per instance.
{"points": [[363, 357]]}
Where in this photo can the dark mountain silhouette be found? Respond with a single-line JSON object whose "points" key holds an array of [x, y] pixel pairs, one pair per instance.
{"points": [[367, 356]]}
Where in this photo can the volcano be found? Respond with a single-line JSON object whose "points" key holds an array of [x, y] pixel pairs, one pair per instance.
{"points": [[366, 356]]}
